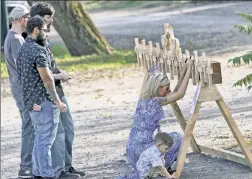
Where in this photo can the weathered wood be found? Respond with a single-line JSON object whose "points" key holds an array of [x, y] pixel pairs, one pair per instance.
{"points": [[235, 157], [136, 50], [195, 66], [144, 53], [182, 123], [186, 139], [216, 76], [209, 94], [235, 130]]}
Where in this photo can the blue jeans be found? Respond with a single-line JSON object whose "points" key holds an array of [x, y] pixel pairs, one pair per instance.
{"points": [[67, 123], [27, 138], [27, 130], [62, 149], [45, 124]]}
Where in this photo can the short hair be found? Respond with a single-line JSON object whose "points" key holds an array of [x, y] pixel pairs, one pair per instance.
{"points": [[164, 138], [41, 9], [36, 21]]}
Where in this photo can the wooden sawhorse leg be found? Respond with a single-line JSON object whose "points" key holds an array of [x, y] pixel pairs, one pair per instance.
{"points": [[186, 139], [182, 123], [235, 130]]}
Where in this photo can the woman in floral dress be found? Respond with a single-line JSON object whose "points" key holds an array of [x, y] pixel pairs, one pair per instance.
{"points": [[154, 94]]}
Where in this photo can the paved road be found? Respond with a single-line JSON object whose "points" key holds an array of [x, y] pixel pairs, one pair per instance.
{"points": [[208, 26]]}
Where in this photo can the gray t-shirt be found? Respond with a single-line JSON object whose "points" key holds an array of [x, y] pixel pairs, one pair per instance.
{"points": [[12, 45]]}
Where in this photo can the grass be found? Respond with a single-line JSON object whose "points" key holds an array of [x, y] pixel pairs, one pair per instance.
{"points": [[68, 63]]}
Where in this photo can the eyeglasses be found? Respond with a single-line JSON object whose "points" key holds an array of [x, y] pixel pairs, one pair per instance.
{"points": [[44, 30]]}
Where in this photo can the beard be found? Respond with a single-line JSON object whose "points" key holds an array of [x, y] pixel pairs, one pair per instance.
{"points": [[24, 34], [40, 40]]}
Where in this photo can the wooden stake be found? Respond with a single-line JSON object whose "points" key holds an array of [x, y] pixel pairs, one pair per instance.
{"points": [[182, 123], [201, 72], [195, 64], [144, 53], [151, 53], [235, 130], [204, 67], [136, 50], [185, 142]]}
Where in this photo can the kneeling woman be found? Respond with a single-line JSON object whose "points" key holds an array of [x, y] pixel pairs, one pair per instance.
{"points": [[155, 93]]}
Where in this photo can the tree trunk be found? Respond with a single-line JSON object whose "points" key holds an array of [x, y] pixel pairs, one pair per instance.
{"points": [[77, 30]]}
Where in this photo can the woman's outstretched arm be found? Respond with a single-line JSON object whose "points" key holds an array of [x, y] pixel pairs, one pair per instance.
{"points": [[180, 80], [180, 93]]}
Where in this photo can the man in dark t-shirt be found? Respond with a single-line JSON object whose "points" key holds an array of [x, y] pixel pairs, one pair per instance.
{"points": [[40, 96], [62, 155]]}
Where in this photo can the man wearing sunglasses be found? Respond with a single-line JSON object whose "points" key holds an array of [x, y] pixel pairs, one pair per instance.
{"points": [[62, 148], [13, 42]]}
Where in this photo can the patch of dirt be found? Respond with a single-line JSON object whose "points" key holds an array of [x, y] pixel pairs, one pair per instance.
{"points": [[103, 101], [103, 107]]}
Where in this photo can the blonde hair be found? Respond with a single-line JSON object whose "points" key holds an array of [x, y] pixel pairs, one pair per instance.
{"points": [[150, 89]]}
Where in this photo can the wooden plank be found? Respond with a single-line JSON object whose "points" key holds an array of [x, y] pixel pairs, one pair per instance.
{"points": [[235, 130], [151, 53], [232, 156], [144, 53], [201, 73], [186, 139], [216, 76], [209, 94], [136, 50], [182, 122], [195, 64]]}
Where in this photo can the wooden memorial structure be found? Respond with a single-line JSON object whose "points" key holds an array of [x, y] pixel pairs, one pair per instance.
{"points": [[205, 74]]}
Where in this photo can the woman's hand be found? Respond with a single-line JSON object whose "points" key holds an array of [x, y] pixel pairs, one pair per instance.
{"points": [[189, 63]]}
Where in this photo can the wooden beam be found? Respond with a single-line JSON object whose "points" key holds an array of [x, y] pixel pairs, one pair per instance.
{"points": [[232, 156], [182, 122], [235, 130], [216, 76], [186, 139], [209, 94]]}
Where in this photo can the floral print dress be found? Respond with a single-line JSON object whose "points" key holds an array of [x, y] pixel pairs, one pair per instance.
{"points": [[148, 114]]}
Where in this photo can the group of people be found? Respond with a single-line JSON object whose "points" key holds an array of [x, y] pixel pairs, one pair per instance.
{"points": [[35, 81], [47, 125]]}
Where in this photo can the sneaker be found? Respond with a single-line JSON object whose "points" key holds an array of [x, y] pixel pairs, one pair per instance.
{"points": [[25, 174], [72, 170], [170, 171], [66, 175]]}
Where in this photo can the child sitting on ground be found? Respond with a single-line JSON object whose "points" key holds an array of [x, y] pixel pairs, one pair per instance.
{"points": [[151, 161]]}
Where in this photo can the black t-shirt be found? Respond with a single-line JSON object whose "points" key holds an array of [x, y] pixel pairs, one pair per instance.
{"points": [[31, 55]]}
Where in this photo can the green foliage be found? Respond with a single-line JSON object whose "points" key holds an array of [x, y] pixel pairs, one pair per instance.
{"points": [[246, 58], [246, 81], [247, 29], [246, 16], [66, 62], [244, 28]]}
